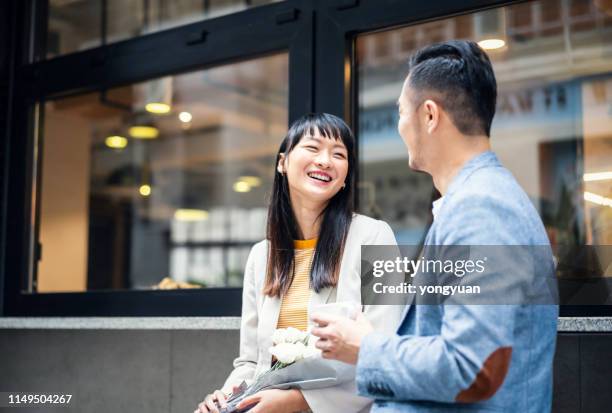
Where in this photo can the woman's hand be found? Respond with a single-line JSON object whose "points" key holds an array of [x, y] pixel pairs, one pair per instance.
{"points": [[276, 401], [209, 406]]}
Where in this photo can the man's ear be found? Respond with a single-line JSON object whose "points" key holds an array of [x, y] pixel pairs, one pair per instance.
{"points": [[432, 115], [281, 164]]}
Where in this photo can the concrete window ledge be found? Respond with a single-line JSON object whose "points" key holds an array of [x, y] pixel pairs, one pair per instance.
{"points": [[566, 324], [121, 323]]}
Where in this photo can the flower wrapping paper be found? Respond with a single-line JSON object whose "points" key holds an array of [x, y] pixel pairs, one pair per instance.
{"points": [[308, 373]]}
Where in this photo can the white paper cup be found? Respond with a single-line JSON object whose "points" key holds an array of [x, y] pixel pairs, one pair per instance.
{"points": [[347, 309]]}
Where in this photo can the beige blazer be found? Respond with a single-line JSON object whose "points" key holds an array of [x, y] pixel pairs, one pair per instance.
{"points": [[260, 315]]}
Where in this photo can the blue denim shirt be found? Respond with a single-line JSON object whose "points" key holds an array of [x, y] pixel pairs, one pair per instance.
{"points": [[477, 358]]}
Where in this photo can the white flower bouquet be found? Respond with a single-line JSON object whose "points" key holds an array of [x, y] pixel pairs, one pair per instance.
{"points": [[291, 345], [298, 365]]}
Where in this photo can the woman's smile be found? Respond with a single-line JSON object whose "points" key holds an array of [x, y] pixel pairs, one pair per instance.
{"points": [[320, 177], [317, 168]]}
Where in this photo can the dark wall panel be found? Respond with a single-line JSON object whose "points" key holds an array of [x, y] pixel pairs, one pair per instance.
{"points": [[596, 373], [566, 374]]}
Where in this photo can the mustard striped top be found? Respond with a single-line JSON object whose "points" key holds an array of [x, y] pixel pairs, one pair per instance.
{"points": [[294, 304]]}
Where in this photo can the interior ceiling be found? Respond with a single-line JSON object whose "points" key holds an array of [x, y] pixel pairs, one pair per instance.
{"points": [[239, 118]]}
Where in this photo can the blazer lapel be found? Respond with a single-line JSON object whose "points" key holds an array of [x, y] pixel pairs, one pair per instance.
{"points": [[321, 298], [267, 323]]}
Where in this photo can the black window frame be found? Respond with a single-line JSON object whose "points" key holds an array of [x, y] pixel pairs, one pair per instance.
{"points": [[337, 83], [320, 38], [278, 27]]}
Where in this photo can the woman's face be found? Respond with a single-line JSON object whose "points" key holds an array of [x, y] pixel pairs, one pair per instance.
{"points": [[316, 168]]}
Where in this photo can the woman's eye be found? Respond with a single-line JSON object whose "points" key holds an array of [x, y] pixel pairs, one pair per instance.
{"points": [[311, 148], [340, 155]]}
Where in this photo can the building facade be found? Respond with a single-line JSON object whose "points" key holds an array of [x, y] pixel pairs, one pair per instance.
{"points": [[138, 142]]}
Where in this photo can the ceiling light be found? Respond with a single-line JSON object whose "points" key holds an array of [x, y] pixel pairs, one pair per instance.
{"points": [[116, 142], [489, 28], [241, 186], [145, 190], [185, 117], [185, 214], [597, 199], [492, 44], [252, 181], [143, 132], [597, 176], [157, 108]]}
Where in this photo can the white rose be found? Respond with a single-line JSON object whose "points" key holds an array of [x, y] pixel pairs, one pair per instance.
{"points": [[299, 350], [279, 336], [293, 335], [311, 350], [288, 353]]}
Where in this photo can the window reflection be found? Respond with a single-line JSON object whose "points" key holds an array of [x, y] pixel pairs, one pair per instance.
{"points": [[161, 179], [83, 24], [553, 127]]}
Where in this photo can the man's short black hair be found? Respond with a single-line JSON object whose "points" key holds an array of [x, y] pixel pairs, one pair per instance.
{"points": [[459, 74]]}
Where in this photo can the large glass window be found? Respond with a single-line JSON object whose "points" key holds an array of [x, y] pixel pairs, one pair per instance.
{"points": [[553, 127], [75, 25], [160, 184]]}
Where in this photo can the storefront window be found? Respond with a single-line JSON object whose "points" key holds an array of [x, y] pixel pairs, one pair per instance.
{"points": [[552, 129], [160, 184], [75, 25]]}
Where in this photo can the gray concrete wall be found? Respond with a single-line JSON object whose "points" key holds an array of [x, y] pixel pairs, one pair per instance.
{"points": [[117, 370], [170, 371]]}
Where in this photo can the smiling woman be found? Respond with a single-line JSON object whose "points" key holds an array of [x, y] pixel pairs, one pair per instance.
{"points": [[323, 160], [314, 164], [311, 256]]}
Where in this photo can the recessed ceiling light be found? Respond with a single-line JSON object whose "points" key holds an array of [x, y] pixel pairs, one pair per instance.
{"points": [[597, 199], [251, 180], [185, 117], [597, 176], [116, 142], [241, 186], [492, 44], [185, 214], [145, 190], [157, 107], [143, 132]]}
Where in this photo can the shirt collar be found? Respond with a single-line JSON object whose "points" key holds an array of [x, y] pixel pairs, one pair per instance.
{"points": [[436, 205], [487, 158], [481, 160]]}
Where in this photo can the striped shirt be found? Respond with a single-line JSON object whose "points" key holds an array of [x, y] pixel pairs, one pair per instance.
{"points": [[294, 304]]}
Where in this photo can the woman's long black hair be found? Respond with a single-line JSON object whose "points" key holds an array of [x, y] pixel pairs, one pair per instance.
{"points": [[282, 228]]}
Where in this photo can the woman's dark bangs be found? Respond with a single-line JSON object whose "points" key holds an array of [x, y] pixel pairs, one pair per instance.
{"points": [[324, 124], [325, 127]]}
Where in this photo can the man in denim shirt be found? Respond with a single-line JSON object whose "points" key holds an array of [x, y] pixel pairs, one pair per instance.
{"points": [[477, 358]]}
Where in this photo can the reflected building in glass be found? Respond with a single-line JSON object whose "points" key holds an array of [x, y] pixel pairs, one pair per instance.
{"points": [[553, 124]]}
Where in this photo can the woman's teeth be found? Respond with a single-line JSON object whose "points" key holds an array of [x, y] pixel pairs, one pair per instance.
{"points": [[320, 177]]}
